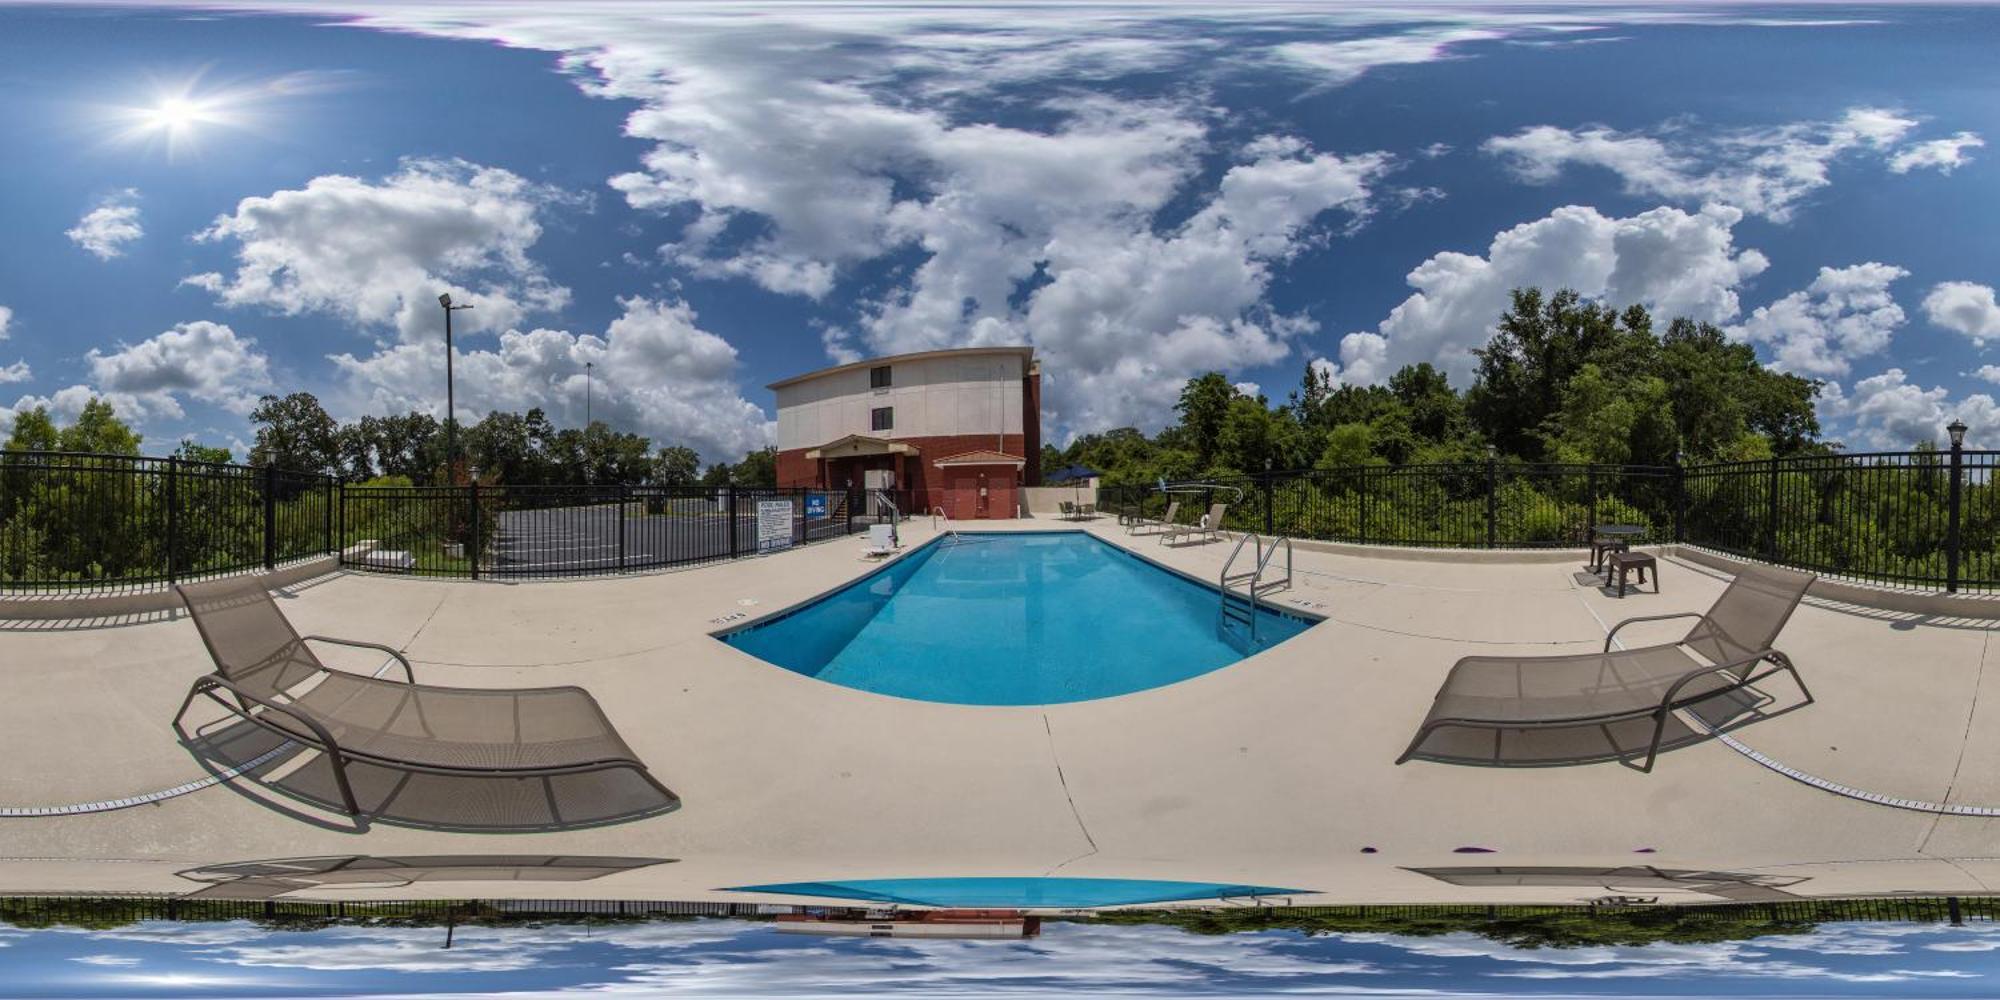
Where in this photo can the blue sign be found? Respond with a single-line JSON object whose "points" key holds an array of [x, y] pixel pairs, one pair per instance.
{"points": [[815, 505]]}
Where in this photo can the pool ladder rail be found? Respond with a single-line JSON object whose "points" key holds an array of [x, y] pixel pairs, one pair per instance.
{"points": [[1242, 607]]}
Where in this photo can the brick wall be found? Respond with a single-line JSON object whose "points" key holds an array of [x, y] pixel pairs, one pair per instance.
{"points": [[794, 469]]}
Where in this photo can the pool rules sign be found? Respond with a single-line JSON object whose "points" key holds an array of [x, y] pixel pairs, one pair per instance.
{"points": [[774, 525]]}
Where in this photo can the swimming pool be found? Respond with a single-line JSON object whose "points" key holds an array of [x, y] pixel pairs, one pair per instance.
{"points": [[1018, 893], [1014, 618]]}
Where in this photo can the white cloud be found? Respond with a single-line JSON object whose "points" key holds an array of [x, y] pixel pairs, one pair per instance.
{"points": [[378, 254], [203, 360], [1990, 373], [793, 144], [1889, 412], [1964, 307], [1846, 313], [1763, 171], [6, 320], [1942, 155], [1343, 61], [658, 373], [16, 372], [107, 961], [1675, 263], [105, 229]]}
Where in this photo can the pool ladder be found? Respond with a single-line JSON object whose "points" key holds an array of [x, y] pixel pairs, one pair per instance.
{"points": [[1243, 607]]}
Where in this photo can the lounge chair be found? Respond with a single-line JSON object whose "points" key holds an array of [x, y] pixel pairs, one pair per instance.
{"points": [[881, 541], [274, 681], [1592, 691], [1141, 523], [1209, 527]]}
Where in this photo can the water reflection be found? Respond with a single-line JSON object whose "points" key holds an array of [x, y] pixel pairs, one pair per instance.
{"points": [[736, 957]]}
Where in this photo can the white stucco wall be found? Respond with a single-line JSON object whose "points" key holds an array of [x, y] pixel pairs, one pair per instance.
{"points": [[932, 397]]}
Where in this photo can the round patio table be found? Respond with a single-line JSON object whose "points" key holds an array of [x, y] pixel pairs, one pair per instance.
{"points": [[1619, 535]]}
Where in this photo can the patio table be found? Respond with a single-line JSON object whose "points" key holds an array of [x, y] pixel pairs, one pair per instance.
{"points": [[1609, 537]]}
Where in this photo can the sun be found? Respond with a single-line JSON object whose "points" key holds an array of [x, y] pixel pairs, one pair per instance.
{"points": [[176, 117]]}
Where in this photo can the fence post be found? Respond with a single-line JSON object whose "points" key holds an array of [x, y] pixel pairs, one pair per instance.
{"points": [[1267, 501], [472, 541], [1365, 490], [326, 515], [1680, 500], [340, 524], [730, 492], [270, 516], [1951, 531], [1771, 514], [1492, 497], [1590, 520], [848, 504], [624, 498], [173, 516]]}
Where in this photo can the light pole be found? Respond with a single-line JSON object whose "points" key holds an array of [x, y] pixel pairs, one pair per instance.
{"points": [[587, 366], [1954, 504], [450, 404]]}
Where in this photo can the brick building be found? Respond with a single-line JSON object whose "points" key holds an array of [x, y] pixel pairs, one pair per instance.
{"points": [[958, 429]]}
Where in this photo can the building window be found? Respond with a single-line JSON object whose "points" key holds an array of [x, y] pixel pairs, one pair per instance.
{"points": [[882, 418], [878, 377]]}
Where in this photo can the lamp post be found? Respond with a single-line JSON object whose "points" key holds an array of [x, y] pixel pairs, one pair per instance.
{"points": [[1956, 430], [587, 366], [450, 403]]}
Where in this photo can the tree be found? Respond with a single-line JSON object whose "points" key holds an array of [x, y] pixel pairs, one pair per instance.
{"points": [[295, 434], [1539, 345], [34, 431], [190, 451], [99, 431], [758, 468], [1203, 406], [677, 465]]}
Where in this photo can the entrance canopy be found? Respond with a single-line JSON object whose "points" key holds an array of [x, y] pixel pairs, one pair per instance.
{"points": [[859, 445], [980, 458]]}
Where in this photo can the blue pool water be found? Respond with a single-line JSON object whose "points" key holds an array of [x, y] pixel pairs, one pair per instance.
{"points": [[1011, 619], [1017, 893]]}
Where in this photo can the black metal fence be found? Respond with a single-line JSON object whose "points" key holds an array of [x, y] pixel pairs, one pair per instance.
{"points": [[110, 911], [1926, 518], [71, 521], [478, 531]]}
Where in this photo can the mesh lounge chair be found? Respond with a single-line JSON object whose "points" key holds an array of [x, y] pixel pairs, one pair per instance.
{"points": [[1210, 526], [1592, 691], [266, 669], [1166, 521]]}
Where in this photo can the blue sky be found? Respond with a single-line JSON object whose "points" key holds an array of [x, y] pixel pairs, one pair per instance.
{"points": [[206, 204], [720, 958]]}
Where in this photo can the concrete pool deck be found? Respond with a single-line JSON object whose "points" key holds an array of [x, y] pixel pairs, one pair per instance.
{"points": [[1276, 771]]}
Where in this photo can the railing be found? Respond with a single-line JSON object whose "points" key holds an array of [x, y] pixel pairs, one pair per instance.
{"points": [[548, 531], [89, 522], [1926, 519]]}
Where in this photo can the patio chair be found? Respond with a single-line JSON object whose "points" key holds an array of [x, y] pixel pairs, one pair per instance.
{"points": [[1592, 691], [1141, 523], [1209, 527], [1066, 509], [274, 681]]}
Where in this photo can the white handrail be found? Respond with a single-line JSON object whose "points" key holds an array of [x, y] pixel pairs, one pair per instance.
{"points": [[937, 512]]}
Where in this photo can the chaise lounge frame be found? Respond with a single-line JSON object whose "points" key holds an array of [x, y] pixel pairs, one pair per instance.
{"points": [[257, 687], [1734, 643], [1209, 527]]}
